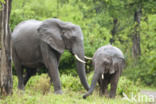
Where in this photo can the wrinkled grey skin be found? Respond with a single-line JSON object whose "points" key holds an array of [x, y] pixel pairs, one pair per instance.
{"points": [[41, 43], [109, 61]]}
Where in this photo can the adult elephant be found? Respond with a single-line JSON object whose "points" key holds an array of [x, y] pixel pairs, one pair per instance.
{"points": [[41, 43], [108, 64]]}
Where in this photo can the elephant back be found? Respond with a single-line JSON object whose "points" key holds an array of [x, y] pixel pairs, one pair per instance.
{"points": [[25, 28], [109, 50]]}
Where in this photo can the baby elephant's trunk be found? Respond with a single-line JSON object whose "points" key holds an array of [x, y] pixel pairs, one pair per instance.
{"points": [[95, 78], [88, 93]]}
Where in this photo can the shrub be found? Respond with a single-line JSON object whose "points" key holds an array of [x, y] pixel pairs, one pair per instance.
{"points": [[39, 83], [126, 86], [143, 71], [72, 83]]}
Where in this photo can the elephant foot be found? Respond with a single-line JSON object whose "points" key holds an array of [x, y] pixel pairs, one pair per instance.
{"points": [[58, 92]]}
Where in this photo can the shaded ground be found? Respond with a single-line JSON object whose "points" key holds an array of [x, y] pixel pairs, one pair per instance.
{"points": [[151, 94]]}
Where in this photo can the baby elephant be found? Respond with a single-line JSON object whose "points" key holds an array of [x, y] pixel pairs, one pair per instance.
{"points": [[108, 62]]}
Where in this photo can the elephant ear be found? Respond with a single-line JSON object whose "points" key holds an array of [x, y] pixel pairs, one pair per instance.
{"points": [[122, 63], [114, 66], [107, 63], [50, 33], [117, 65]]}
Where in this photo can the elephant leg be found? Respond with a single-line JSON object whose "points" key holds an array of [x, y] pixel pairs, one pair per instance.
{"points": [[114, 82], [29, 73], [103, 86], [19, 71], [51, 61]]}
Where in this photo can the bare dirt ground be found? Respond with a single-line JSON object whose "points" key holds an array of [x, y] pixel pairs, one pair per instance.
{"points": [[150, 94]]}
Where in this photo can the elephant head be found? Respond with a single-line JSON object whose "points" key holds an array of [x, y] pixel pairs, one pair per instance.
{"points": [[61, 35]]}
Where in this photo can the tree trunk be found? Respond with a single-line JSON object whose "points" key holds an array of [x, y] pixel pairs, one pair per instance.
{"points": [[136, 50], [114, 30], [5, 66], [58, 8]]}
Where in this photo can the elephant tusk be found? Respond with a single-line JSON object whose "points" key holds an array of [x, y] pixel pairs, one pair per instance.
{"points": [[79, 59], [89, 58], [102, 76]]}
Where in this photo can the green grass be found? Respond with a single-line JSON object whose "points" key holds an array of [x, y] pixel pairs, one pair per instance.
{"points": [[148, 88], [69, 97], [38, 91]]}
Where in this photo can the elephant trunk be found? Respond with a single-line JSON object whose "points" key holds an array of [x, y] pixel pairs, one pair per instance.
{"points": [[81, 72], [93, 84], [78, 51]]}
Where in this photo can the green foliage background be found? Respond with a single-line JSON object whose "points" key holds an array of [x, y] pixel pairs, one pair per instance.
{"points": [[95, 17]]}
